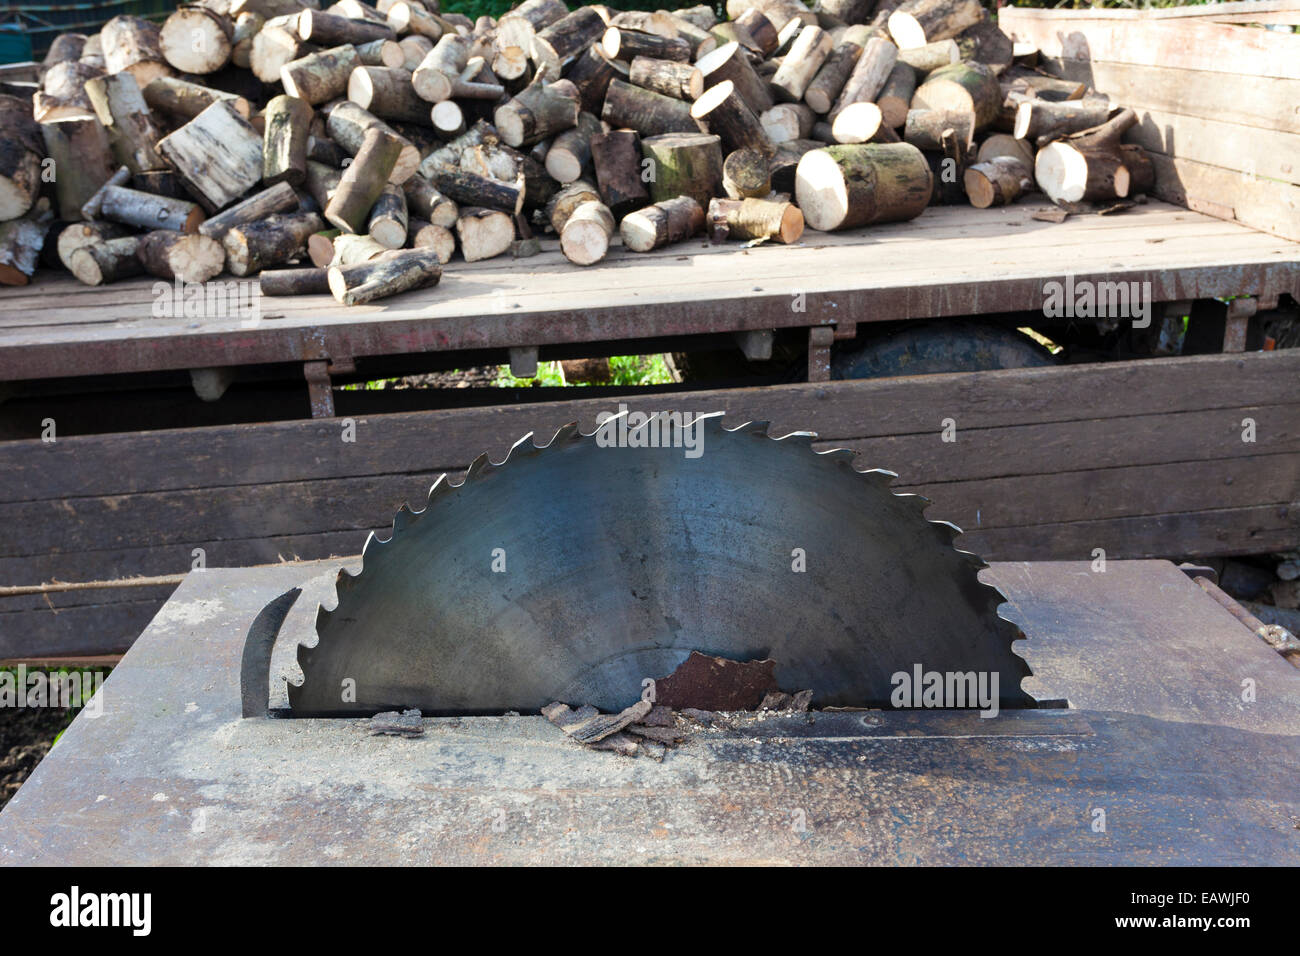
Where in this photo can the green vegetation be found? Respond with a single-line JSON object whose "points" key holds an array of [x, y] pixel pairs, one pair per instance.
{"points": [[625, 370]]}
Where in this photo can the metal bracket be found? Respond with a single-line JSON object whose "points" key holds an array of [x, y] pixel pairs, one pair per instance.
{"points": [[756, 344], [1236, 323], [820, 338], [255, 664], [523, 361]]}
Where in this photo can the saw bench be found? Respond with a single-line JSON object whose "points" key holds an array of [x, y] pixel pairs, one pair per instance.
{"points": [[1157, 759]]}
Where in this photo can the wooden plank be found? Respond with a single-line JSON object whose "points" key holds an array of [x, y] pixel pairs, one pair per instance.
{"points": [[421, 442], [87, 630], [1258, 101], [1259, 203], [1189, 44], [1226, 531], [1210, 11], [1255, 152]]}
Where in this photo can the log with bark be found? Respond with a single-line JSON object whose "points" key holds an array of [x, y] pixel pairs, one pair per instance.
{"points": [[1088, 166], [386, 92], [750, 219], [895, 98], [1045, 120], [426, 235], [962, 87], [683, 81], [22, 148], [21, 240], [197, 39], [389, 274], [389, 218], [647, 112], [746, 174], [842, 187], [924, 128], [147, 211], [347, 124], [926, 21], [617, 159], [121, 108], [273, 241], [302, 281], [274, 199], [729, 62], [662, 224], [183, 99], [63, 92], [284, 141], [189, 257], [722, 110], [585, 234], [100, 263], [683, 164], [133, 45], [538, 111], [82, 161], [869, 74], [321, 76], [484, 233], [829, 82], [800, 65], [364, 180], [78, 234], [570, 153], [218, 155]]}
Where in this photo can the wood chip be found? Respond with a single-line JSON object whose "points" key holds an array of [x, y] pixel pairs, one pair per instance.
{"points": [[715, 683], [409, 723], [587, 725]]}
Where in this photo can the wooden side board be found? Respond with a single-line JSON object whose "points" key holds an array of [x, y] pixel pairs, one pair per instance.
{"points": [[1140, 459]]}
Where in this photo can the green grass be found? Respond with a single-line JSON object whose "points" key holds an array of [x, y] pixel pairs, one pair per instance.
{"points": [[624, 370]]}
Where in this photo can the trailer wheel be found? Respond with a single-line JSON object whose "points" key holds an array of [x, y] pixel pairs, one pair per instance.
{"points": [[933, 347]]}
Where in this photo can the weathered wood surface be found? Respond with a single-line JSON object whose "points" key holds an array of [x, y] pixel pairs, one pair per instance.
{"points": [[1141, 459], [950, 261]]}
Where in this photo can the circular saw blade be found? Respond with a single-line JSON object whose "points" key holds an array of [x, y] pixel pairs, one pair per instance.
{"points": [[576, 570]]}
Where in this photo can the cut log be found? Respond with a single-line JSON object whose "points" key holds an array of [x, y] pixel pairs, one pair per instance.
{"points": [[756, 32], [351, 250], [1043, 119], [1088, 166], [293, 281], [160, 182], [785, 163], [591, 73], [930, 57], [275, 199], [247, 26], [984, 43], [647, 112], [722, 110], [682, 81], [484, 233], [627, 45], [702, 41], [191, 257], [73, 237], [63, 94], [185, 100], [347, 124], [414, 49], [565, 38], [509, 63], [218, 155], [425, 235], [568, 199], [21, 241], [274, 47], [847, 11], [284, 143], [664, 223], [423, 200], [729, 62], [90, 209], [806, 56], [441, 68], [869, 74], [319, 77], [787, 121], [521, 24], [924, 128], [746, 174], [101, 263], [82, 161], [584, 240], [330, 30], [858, 123], [1003, 144], [570, 154], [133, 45], [21, 149], [896, 97], [448, 119], [616, 156], [197, 40], [147, 211], [388, 218], [66, 47], [448, 156], [1142, 172], [829, 82], [749, 219], [255, 246], [364, 180], [683, 164], [843, 187], [321, 183], [962, 87], [927, 21], [392, 273], [997, 182], [132, 133], [386, 92], [538, 111], [412, 18], [472, 189]]}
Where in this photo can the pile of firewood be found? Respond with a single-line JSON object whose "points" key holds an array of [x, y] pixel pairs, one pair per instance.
{"points": [[366, 145]]}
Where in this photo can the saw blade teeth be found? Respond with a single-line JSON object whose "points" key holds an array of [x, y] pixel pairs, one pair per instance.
{"points": [[758, 428], [477, 467], [441, 486], [404, 518], [373, 541], [563, 435]]}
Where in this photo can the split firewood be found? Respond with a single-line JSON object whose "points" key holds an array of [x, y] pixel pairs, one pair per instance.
{"points": [[683, 164], [746, 174], [284, 142], [538, 111], [750, 219], [147, 211], [275, 199], [273, 241], [197, 39], [21, 240], [841, 187], [895, 97], [388, 218], [363, 180], [684, 81], [1088, 166], [722, 110], [101, 263], [426, 235], [729, 62], [662, 224], [394, 272], [349, 250], [185, 100], [133, 45], [189, 257], [121, 107], [82, 161], [926, 21], [293, 281], [647, 112], [585, 235], [616, 157], [217, 154], [962, 87], [806, 56], [319, 77]]}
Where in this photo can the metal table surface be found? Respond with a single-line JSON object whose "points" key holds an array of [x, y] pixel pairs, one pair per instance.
{"points": [[1158, 738]]}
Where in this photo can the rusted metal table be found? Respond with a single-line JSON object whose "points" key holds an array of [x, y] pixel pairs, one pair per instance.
{"points": [[1159, 760]]}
